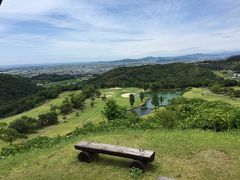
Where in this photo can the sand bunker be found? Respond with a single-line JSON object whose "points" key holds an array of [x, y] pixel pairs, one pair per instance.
{"points": [[126, 95], [116, 88]]}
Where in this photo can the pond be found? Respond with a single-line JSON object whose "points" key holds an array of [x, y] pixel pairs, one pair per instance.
{"points": [[147, 109]]}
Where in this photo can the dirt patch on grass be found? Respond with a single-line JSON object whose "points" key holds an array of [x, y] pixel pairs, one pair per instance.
{"points": [[212, 155], [213, 159]]}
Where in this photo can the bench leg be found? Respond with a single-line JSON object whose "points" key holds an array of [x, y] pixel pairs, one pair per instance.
{"points": [[139, 164], [87, 156]]}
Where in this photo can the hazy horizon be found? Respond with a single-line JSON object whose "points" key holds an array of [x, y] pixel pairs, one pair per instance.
{"points": [[64, 31]]}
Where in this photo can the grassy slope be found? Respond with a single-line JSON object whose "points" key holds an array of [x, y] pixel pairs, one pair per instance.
{"points": [[40, 109], [88, 115], [189, 154], [206, 94]]}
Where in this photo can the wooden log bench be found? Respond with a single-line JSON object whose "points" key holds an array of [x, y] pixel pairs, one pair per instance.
{"points": [[90, 150]]}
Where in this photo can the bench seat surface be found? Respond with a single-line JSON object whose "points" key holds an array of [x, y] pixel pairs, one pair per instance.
{"points": [[140, 154]]}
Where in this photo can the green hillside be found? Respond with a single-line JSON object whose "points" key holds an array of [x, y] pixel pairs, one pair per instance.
{"points": [[14, 87], [232, 63], [161, 76]]}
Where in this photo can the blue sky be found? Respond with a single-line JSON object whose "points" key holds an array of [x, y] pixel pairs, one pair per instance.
{"points": [[50, 31]]}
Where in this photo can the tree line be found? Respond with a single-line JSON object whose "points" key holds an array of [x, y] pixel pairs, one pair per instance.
{"points": [[231, 63], [53, 77]]}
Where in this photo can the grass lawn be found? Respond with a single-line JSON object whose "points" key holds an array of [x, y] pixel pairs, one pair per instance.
{"points": [[206, 94], [186, 154]]}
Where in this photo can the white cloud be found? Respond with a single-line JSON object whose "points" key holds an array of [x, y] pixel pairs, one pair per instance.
{"points": [[109, 28]]}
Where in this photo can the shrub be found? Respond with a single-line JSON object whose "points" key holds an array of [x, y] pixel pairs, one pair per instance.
{"points": [[66, 107], [48, 119], [167, 118], [196, 113], [77, 101], [113, 111], [136, 173], [24, 124], [36, 143]]}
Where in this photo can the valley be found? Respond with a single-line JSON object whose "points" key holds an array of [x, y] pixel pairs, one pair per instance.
{"points": [[186, 143]]}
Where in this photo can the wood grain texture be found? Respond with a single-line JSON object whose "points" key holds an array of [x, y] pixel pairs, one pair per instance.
{"points": [[120, 151]]}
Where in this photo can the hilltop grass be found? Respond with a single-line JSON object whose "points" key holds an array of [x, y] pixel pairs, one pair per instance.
{"points": [[188, 154], [204, 93]]}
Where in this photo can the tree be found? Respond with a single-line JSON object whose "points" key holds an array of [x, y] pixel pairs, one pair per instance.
{"points": [[131, 99], [66, 107], [154, 86], [155, 101], [92, 104], [145, 87], [64, 118], [216, 88], [24, 124], [53, 108], [142, 96], [112, 111], [89, 91], [237, 93], [9, 135], [104, 97], [93, 99], [161, 99], [98, 93], [48, 119], [230, 82], [77, 101]]}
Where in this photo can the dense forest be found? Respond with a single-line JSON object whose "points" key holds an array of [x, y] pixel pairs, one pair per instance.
{"points": [[232, 63], [155, 77], [52, 77], [13, 88]]}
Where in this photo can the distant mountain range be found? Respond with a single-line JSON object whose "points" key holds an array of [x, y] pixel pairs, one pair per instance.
{"points": [[184, 58], [99, 67]]}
